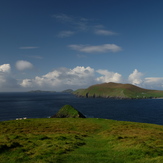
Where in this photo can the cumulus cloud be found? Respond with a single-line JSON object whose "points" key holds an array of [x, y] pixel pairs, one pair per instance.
{"points": [[96, 49], [27, 83], [7, 82], [109, 76], [4, 74], [5, 68], [78, 77], [23, 65], [63, 78], [63, 34], [136, 77], [104, 32]]}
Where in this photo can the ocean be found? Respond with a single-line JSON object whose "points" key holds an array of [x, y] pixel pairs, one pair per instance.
{"points": [[43, 105]]}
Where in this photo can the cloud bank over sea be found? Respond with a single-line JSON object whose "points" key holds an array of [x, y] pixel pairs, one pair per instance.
{"points": [[66, 78]]}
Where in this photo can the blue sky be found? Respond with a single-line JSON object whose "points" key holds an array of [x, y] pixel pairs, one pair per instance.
{"points": [[58, 44]]}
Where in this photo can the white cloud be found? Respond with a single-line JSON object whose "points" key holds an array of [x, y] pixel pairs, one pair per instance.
{"points": [[78, 77], [153, 82], [7, 82], [23, 65], [27, 83], [104, 32], [63, 34], [29, 47], [109, 76], [62, 78], [136, 77], [5, 68], [96, 49], [83, 77]]}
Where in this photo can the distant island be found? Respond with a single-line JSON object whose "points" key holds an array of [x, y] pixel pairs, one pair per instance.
{"points": [[119, 91], [67, 91], [41, 91]]}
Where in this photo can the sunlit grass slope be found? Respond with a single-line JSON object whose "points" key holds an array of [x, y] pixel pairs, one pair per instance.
{"points": [[80, 140], [117, 90]]}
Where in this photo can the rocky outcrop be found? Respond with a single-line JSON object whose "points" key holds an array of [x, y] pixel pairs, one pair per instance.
{"points": [[67, 111]]}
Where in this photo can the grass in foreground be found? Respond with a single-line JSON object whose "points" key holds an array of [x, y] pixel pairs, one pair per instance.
{"points": [[80, 140]]}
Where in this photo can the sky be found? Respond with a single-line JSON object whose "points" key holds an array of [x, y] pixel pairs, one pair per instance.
{"points": [[71, 44]]}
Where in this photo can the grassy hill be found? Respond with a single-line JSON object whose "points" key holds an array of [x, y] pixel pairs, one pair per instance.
{"points": [[88, 140], [117, 90], [68, 111]]}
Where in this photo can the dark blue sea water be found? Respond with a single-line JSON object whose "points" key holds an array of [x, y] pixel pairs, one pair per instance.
{"points": [[42, 105]]}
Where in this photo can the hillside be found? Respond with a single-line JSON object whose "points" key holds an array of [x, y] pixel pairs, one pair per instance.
{"points": [[55, 140], [117, 90]]}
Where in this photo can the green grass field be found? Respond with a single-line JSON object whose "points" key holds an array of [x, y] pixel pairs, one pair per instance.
{"points": [[78, 140]]}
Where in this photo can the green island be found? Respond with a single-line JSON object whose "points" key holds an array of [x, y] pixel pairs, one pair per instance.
{"points": [[118, 90], [41, 91], [78, 140]]}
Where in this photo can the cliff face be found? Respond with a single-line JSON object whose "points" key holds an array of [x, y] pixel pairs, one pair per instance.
{"points": [[68, 111], [118, 90]]}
